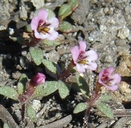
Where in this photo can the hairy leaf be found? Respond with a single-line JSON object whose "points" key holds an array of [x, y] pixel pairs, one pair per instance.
{"points": [[9, 92], [65, 27], [50, 42], [21, 83], [105, 97], [63, 90], [105, 109], [73, 3], [46, 89], [50, 66], [65, 10], [83, 86], [31, 113], [80, 107], [37, 55]]}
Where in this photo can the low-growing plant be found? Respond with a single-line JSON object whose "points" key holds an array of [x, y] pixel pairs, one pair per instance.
{"points": [[43, 30]]}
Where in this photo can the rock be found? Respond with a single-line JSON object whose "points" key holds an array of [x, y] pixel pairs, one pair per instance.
{"points": [[124, 67], [123, 33], [38, 3], [6, 8], [36, 105], [23, 12], [124, 88]]}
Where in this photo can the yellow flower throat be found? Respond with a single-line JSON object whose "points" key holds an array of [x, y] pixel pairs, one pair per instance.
{"points": [[43, 29]]}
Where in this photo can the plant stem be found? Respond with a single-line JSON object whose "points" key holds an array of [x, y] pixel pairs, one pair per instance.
{"points": [[66, 73]]}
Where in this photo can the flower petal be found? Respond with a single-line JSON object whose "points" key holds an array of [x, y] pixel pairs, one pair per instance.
{"points": [[100, 75], [75, 53], [91, 55], [42, 15], [115, 79], [39, 35], [112, 88], [39, 78], [80, 68], [52, 34], [34, 23], [110, 70], [53, 22], [82, 45], [91, 66]]}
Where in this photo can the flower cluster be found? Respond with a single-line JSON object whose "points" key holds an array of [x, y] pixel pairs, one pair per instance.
{"points": [[108, 79], [43, 27], [39, 78], [83, 59]]}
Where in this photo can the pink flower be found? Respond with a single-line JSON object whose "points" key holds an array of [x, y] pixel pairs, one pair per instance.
{"points": [[108, 79], [35, 81], [38, 79], [83, 59], [44, 28]]}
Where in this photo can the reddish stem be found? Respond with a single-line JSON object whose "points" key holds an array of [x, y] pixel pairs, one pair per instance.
{"points": [[66, 73]]}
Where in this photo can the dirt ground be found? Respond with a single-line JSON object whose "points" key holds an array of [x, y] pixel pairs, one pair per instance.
{"points": [[105, 26]]}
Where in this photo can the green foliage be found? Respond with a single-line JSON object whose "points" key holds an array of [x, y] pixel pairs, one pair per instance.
{"points": [[105, 109], [21, 83], [9, 92], [28, 28], [50, 13], [65, 10], [50, 87], [74, 3], [104, 97], [50, 42], [81, 85], [65, 27], [31, 113], [80, 107], [46, 89], [20, 88], [63, 90], [37, 55], [6, 125], [50, 66]]}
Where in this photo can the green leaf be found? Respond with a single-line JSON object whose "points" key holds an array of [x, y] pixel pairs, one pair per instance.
{"points": [[31, 113], [28, 28], [51, 14], [37, 55], [104, 97], [50, 66], [6, 125], [80, 107], [64, 11], [65, 27], [82, 84], [46, 89], [9, 92], [105, 109], [63, 90], [20, 88], [22, 83], [50, 42], [73, 4]]}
